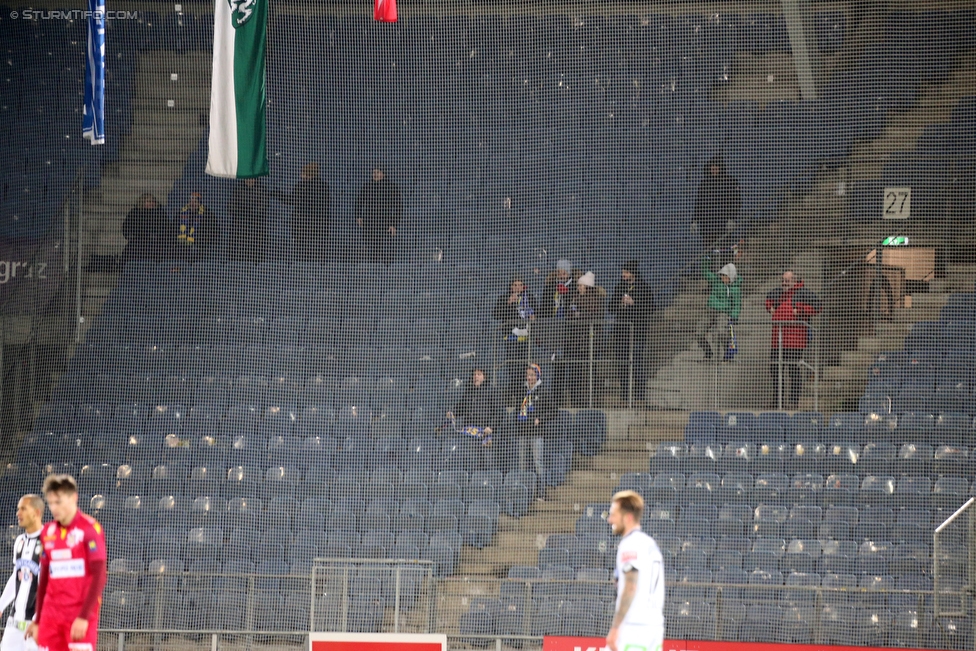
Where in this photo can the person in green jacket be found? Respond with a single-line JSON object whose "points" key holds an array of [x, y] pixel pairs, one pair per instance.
{"points": [[724, 305]]}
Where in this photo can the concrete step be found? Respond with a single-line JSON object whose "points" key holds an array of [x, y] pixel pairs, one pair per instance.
{"points": [[878, 344]]}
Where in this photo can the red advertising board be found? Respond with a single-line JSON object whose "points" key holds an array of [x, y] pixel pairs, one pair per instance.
{"points": [[375, 642], [599, 644]]}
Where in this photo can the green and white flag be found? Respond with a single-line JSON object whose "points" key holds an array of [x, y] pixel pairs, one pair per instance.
{"points": [[238, 148]]}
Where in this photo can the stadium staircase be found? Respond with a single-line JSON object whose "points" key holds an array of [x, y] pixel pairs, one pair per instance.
{"points": [[631, 436], [810, 224], [168, 116]]}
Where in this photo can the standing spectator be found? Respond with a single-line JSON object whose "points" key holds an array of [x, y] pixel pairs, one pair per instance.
{"points": [[193, 238], [586, 310], [558, 293], [559, 289], [21, 588], [516, 308], [72, 575], [248, 212], [533, 418], [310, 221], [718, 205], [148, 231], [792, 307], [480, 407], [631, 305], [379, 208], [722, 310]]}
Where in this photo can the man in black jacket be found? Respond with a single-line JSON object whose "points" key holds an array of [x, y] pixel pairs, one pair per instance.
{"points": [[248, 213], [149, 233], [479, 407], [534, 415], [631, 305], [378, 211], [717, 207], [310, 216], [515, 308]]}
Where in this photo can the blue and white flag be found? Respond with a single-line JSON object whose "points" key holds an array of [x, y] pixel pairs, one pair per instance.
{"points": [[93, 122]]}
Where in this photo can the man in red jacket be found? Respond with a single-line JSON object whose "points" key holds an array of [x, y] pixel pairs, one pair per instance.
{"points": [[792, 307]]}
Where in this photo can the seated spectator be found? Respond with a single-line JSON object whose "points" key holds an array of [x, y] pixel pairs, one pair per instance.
{"points": [[193, 238], [722, 310], [148, 231], [582, 328], [516, 308], [534, 415], [478, 410]]}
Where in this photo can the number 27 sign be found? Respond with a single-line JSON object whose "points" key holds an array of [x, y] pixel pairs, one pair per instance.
{"points": [[897, 203]]}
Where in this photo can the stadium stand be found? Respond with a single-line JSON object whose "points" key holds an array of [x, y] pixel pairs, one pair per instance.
{"points": [[231, 423]]}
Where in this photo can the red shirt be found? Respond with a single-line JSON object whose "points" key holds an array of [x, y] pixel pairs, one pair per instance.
{"points": [[67, 565]]}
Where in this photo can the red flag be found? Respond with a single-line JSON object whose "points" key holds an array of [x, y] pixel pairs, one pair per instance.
{"points": [[385, 11]]}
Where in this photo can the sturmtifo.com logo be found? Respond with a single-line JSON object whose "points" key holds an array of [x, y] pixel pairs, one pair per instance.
{"points": [[72, 14]]}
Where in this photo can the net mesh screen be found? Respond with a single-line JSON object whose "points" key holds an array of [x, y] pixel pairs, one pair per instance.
{"points": [[507, 260]]}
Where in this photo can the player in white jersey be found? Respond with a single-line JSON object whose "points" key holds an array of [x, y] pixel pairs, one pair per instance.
{"points": [[638, 623], [21, 588]]}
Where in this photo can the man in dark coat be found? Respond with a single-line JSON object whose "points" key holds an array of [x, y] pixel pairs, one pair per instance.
{"points": [[150, 234], [718, 205], [791, 306], [310, 221], [379, 208], [515, 308], [248, 213], [632, 303], [480, 407]]}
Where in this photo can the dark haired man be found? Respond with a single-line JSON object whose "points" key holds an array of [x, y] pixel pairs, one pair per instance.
{"points": [[21, 588], [479, 409], [379, 208], [632, 304], [72, 574]]}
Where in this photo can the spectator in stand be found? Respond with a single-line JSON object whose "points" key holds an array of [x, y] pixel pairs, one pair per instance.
{"points": [[559, 289], [717, 208], [193, 238], [534, 415], [480, 408], [148, 231], [792, 306], [632, 305], [248, 212], [516, 308], [585, 310], [558, 292], [310, 221], [379, 208], [722, 310]]}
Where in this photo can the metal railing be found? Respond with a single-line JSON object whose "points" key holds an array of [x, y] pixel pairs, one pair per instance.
{"points": [[709, 611], [597, 334], [339, 572], [958, 590]]}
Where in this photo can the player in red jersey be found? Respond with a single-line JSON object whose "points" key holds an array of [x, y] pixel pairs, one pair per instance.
{"points": [[73, 573]]}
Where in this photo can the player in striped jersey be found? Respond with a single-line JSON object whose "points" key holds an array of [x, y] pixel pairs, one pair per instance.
{"points": [[21, 589]]}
